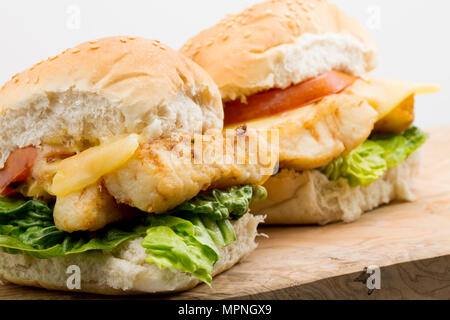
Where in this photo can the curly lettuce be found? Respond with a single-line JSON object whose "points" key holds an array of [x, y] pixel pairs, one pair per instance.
{"points": [[190, 243], [231, 203], [27, 227], [374, 157], [187, 239], [190, 237]]}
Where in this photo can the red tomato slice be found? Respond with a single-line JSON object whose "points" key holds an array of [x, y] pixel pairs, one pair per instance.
{"points": [[9, 192], [17, 168], [280, 100]]}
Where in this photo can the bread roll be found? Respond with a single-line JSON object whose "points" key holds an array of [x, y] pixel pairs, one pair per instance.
{"points": [[108, 87], [122, 271], [279, 43], [310, 198]]}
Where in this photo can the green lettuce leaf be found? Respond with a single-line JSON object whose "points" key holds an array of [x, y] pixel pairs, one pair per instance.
{"points": [[398, 147], [220, 204], [187, 239], [189, 243], [27, 227], [374, 157]]}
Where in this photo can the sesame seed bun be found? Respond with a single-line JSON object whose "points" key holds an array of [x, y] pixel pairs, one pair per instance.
{"points": [[107, 87], [279, 43]]}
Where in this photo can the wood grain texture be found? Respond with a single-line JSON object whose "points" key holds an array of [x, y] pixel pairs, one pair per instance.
{"points": [[409, 241]]}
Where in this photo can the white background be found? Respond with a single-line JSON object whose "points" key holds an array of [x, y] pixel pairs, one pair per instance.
{"points": [[413, 35]]}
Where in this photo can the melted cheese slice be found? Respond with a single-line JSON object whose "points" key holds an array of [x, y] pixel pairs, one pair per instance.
{"points": [[77, 172], [385, 95]]}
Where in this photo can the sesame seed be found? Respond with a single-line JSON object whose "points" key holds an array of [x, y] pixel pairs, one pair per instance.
{"points": [[75, 50], [94, 47], [123, 40], [131, 38]]}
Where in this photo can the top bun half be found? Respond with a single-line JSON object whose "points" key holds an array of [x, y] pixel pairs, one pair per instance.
{"points": [[279, 43], [104, 88]]}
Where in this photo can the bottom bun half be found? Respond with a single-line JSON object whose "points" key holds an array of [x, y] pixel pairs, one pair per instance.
{"points": [[123, 270], [310, 198]]}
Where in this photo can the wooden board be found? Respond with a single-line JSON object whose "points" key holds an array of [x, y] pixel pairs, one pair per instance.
{"points": [[409, 241]]}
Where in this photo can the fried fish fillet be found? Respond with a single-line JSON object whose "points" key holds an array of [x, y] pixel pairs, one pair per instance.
{"points": [[165, 173], [89, 209], [312, 136]]}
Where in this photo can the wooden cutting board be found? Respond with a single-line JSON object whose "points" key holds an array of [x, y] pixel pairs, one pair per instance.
{"points": [[410, 242]]}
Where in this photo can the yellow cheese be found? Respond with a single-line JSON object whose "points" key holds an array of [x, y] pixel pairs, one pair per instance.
{"points": [[77, 172], [385, 95]]}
